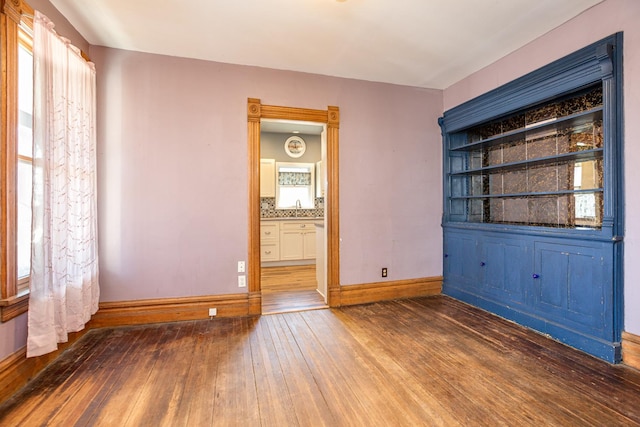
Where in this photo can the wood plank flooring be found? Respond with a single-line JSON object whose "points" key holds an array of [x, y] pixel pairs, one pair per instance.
{"points": [[422, 361], [291, 288]]}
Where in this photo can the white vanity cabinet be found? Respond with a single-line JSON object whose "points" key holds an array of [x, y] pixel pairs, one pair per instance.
{"points": [[297, 240]]}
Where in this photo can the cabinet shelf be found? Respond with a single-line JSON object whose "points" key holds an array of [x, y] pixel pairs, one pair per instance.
{"points": [[584, 155], [577, 120], [536, 194], [537, 166]]}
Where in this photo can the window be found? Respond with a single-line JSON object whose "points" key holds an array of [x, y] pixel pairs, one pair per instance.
{"points": [[16, 158], [295, 185], [25, 158]]}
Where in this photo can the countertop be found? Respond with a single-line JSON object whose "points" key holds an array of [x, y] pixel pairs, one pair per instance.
{"points": [[300, 218]]}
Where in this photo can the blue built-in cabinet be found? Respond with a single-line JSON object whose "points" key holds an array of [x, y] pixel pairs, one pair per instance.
{"points": [[533, 209]]}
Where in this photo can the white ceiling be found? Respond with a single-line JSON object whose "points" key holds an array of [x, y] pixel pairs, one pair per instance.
{"points": [[422, 43]]}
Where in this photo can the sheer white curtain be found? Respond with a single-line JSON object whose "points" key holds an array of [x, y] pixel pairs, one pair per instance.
{"points": [[64, 262]]}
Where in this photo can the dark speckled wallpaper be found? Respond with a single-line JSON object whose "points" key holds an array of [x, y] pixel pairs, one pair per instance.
{"points": [[544, 172]]}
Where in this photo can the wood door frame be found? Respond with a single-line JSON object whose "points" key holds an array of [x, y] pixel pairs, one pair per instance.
{"points": [[331, 117]]}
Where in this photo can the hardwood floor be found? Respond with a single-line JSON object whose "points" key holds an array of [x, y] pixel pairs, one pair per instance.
{"points": [[422, 361], [292, 288]]}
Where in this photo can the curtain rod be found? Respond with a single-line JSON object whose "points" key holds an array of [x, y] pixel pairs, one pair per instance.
{"points": [[83, 54]]}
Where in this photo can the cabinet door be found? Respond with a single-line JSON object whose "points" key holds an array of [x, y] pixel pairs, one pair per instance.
{"points": [[267, 178], [461, 263], [506, 269], [309, 244], [291, 244], [573, 285]]}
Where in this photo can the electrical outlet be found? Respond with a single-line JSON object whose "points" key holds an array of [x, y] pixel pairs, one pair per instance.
{"points": [[242, 281], [384, 272], [241, 266], [213, 312]]}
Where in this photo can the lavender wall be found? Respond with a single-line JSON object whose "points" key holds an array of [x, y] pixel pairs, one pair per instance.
{"points": [[607, 18], [13, 335], [172, 154]]}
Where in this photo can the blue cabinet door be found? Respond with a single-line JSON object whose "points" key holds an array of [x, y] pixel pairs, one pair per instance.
{"points": [[505, 265], [461, 262], [573, 286]]}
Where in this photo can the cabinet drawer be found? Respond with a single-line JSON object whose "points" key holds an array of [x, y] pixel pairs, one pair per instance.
{"points": [[297, 225], [269, 231], [269, 252]]}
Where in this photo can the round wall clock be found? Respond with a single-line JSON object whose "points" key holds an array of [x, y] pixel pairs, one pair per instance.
{"points": [[295, 146]]}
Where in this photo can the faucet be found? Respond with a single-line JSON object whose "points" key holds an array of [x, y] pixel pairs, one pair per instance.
{"points": [[298, 206]]}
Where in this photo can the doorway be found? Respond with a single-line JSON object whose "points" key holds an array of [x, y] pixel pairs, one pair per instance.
{"points": [[292, 155], [329, 120]]}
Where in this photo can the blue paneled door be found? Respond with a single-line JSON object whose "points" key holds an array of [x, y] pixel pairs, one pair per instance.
{"points": [[573, 287], [461, 262], [504, 263]]}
